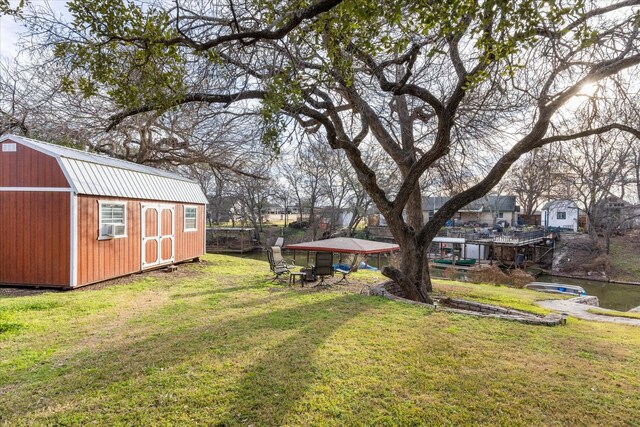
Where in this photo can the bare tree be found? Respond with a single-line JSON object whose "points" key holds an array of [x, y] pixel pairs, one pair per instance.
{"points": [[594, 166], [635, 169], [252, 198], [303, 174], [532, 179]]}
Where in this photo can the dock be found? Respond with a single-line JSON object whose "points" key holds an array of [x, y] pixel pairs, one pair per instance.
{"points": [[514, 238], [231, 240]]}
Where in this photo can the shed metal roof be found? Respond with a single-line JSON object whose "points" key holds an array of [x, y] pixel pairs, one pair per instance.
{"points": [[560, 204], [101, 175]]}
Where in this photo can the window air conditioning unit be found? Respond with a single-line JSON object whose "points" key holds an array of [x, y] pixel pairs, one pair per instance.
{"points": [[114, 230]]}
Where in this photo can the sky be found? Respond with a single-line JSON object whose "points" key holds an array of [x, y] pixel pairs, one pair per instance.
{"points": [[10, 29]]}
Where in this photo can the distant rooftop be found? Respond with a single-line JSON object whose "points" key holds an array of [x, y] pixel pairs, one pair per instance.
{"points": [[560, 204], [484, 204]]}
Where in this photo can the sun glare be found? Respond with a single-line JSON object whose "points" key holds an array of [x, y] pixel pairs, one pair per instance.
{"points": [[588, 89]]}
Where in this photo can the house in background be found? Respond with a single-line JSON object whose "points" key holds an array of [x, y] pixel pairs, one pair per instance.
{"points": [[486, 210], [614, 213], [561, 214], [533, 220], [70, 218]]}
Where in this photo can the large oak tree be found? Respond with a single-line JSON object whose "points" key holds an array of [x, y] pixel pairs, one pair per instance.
{"points": [[461, 88]]}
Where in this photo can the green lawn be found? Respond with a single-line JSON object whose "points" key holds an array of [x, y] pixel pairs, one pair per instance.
{"points": [[628, 315], [218, 344]]}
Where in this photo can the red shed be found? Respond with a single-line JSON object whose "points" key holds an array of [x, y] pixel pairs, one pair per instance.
{"points": [[70, 218]]}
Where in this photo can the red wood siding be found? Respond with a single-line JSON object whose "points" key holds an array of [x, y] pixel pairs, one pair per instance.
{"points": [[35, 238], [189, 244], [104, 259], [30, 168]]}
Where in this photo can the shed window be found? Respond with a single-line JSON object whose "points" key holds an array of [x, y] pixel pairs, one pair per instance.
{"points": [[113, 220], [561, 215], [190, 218], [9, 147]]}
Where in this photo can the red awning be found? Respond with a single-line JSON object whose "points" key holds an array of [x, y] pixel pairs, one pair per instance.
{"points": [[345, 245]]}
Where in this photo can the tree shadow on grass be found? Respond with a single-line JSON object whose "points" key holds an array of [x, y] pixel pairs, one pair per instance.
{"points": [[278, 345], [215, 289], [274, 384]]}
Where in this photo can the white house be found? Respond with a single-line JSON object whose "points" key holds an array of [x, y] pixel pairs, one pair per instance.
{"points": [[488, 209], [561, 213]]}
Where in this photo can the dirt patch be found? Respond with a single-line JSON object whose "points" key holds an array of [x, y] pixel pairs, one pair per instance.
{"points": [[579, 256], [22, 291], [185, 270], [353, 286], [576, 254], [494, 275], [188, 269]]}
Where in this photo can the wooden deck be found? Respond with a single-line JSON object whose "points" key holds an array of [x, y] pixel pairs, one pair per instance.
{"points": [[509, 239]]}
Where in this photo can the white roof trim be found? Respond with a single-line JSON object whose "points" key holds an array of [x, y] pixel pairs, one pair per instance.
{"points": [[100, 175], [448, 240], [66, 174]]}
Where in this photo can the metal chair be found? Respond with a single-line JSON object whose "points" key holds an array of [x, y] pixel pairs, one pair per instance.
{"points": [[323, 266], [276, 252], [276, 263], [351, 266]]}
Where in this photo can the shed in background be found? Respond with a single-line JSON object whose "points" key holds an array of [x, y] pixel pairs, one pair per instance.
{"points": [[70, 218]]}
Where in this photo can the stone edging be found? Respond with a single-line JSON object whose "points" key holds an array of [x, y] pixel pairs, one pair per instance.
{"points": [[473, 308]]}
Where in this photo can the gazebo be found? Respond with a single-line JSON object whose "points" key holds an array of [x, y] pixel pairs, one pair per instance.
{"points": [[344, 245]]}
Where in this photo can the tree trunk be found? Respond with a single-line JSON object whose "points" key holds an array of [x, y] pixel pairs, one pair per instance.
{"points": [[353, 223], [412, 275], [591, 224]]}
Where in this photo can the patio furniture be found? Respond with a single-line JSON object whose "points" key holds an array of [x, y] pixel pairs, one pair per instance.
{"points": [[323, 266], [350, 265], [294, 275], [310, 275], [276, 262], [276, 252]]}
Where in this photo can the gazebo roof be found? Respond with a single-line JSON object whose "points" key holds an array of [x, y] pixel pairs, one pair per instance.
{"points": [[345, 245]]}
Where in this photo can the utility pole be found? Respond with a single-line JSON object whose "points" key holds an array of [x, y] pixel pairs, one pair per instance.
{"points": [[286, 210]]}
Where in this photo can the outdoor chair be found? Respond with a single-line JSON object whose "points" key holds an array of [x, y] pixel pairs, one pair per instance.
{"points": [[323, 266], [276, 252], [350, 265], [276, 263]]}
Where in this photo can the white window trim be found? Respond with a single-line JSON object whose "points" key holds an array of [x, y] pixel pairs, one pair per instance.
{"points": [[9, 147], [111, 202], [184, 218]]}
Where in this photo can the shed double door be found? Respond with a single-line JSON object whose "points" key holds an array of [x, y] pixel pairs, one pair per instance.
{"points": [[158, 234]]}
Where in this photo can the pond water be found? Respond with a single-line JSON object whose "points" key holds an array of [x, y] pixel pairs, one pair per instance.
{"points": [[611, 295]]}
